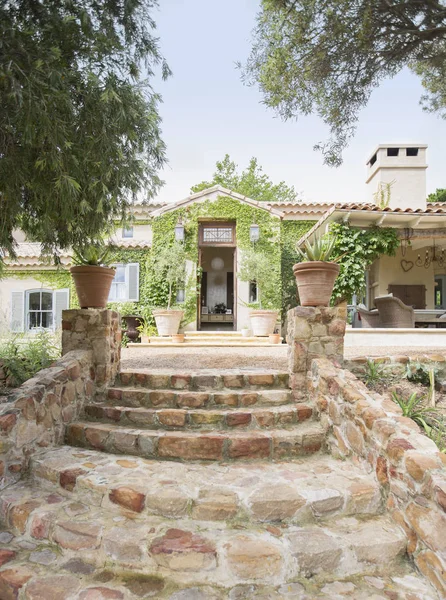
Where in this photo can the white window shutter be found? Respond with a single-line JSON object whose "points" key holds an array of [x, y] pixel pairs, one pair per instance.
{"points": [[17, 311], [61, 301], [133, 281]]}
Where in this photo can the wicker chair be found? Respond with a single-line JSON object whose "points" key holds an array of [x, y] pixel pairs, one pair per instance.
{"points": [[369, 318], [393, 313]]}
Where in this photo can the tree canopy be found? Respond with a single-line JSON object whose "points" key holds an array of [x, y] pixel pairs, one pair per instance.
{"points": [[79, 122], [438, 196], [326, 57], [251, 182]]}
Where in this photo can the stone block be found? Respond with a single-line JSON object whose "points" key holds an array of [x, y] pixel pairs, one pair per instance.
{"points": [[168, 501], [101, 593], [73, 535], [180, 550], [12, 581], [417, 464], [253, 558], [172, 418], [249, 447], [124, 544], [315, 551], [128, 498], [275, 503], [204, 447], [225, 399], [54, 587], [238, 419], [215, 505], [192, 400], [233, 381], [377, 544], [162, 398], [429, 524]]}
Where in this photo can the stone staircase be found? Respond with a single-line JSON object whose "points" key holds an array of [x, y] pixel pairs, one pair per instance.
{"points": [[200, 486], [214, 417]]}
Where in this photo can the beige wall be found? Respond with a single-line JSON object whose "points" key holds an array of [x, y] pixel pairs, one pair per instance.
{"points": [[388, 270], [7, 286]]}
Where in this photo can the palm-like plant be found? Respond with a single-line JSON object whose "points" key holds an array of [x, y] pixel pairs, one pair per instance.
{"points": [[321, 249], [94, 254], [413, 408]]}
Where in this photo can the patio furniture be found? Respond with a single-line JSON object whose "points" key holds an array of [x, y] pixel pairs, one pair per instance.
{"points": [[393, 313], [369, 318]]}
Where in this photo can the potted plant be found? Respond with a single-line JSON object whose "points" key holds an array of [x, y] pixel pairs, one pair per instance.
{"points": [[178, 338], [170, 266], [316, 274], [130, 320], [274, 338], [146, 331], [91, 274], [256, 266], [246, 332]]}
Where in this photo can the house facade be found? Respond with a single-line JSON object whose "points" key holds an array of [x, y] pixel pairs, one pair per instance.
{"points": [[218, 225]]}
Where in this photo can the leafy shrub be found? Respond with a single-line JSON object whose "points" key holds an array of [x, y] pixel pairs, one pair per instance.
{"points": [[373, 373], [23, 356], [420, 373]]}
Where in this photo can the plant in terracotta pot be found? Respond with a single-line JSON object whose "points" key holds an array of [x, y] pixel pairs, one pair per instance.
{"points": [[130, 319], [170, 266], [146, 331], [256, 267], [91, 274], [316, 274]]}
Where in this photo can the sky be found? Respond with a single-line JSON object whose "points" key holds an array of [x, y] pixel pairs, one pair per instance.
{"points": [[207, 112]]}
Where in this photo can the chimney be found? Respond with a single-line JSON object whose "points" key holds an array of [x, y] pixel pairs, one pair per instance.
{"points": [[396, 176]]}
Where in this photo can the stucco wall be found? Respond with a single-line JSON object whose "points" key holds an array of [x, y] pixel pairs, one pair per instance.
{"points": [[388, 270], [6, 287]]}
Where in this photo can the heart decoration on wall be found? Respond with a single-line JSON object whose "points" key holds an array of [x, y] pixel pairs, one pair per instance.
{"points": [[407, 265]]}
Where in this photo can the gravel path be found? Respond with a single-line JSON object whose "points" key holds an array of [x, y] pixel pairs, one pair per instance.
{"points": [[166, 359], [159, 359]]}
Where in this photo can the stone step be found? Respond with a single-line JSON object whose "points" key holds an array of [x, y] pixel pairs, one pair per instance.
{"points": [[227, 339], [315, 489], [43, 573], [169, 398], [214, 380], [273, 444], [203, 343], [181, 419], [193, 553]]}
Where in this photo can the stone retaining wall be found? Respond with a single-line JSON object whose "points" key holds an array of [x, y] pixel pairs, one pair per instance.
{"points": [[35, 416], [411, 471]]}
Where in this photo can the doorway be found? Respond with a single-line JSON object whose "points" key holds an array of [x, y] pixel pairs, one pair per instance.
{"points": [[217, 294]]}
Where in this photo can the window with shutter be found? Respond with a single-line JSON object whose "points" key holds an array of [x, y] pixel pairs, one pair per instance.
{"points": [[17, 311], [125, 285], [61, 302]]}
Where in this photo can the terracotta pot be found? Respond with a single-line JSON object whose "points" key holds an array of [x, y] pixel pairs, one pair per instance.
{"points": [[178, 338], [274, 338], [167, 321], [145, 339], [263, 321], [315, 281], [92, 285], [246, 333], [131, 323]]}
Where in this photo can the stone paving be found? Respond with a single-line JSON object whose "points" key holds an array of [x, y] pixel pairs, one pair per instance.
{"points": [[91, 526]]}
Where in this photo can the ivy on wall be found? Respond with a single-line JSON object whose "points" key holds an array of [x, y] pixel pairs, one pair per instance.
{"points": [[358, 249]]}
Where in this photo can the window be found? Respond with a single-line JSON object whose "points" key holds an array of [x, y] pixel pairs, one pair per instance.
{"points": [[127, 232], [411, 151], [373, 160], [253, 292], [181, 296], [393, 151], [217, 235], [125, 285], [37, 309]]}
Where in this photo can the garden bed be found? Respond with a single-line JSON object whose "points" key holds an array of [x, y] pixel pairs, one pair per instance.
{"points": [[419, 388]]}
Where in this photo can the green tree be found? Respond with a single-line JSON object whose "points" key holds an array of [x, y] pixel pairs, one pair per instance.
{"points": [[251, 182], [326, 57], [79, 122], [438, 196]]}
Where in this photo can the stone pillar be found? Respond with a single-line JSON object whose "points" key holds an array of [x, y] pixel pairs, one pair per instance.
{"points": [[313, 332], [98, 330]]}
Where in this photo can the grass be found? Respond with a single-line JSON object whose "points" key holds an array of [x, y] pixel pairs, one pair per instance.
{"points": [[374, 373]]}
